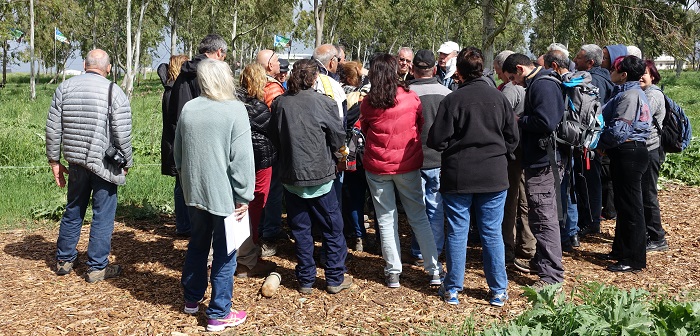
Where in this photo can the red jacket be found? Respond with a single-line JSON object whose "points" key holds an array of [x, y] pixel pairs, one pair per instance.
{"points": [[393, 143]]}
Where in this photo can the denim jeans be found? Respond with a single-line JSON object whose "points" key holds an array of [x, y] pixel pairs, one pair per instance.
{"points": [[384, 199], [208, 231], [433, 208], [271, 220], [488, 210], [568, 227], [354, 189], [182, 219], [321, 212], [81, 185]]}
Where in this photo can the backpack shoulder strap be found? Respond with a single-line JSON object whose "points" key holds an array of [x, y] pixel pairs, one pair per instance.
{"points": [[327, 88]]}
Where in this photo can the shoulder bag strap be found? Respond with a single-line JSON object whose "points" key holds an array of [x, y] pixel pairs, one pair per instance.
{"points": [[109, 113]]}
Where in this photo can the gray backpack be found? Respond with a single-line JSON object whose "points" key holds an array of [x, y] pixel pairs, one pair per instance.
{"points": [[582, 122]]}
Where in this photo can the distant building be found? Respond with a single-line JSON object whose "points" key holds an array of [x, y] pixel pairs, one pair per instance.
{"points": [[665, 62]]}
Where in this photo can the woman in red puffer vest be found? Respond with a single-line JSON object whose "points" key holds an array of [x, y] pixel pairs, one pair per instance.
{"points": [[392, 121]]}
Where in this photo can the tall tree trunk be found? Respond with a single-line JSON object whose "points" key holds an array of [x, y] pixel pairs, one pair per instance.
{"points": [[32, 80], [319, 18], [4, 64], [234, 30], [94, 24], [129, 50], [679, 66], [488, 31], [189, 28], [133, 70], [212, 24], [173, 26]]}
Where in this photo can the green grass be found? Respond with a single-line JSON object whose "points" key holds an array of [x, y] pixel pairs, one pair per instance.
{"points": [[30, 196], [684, 91]]}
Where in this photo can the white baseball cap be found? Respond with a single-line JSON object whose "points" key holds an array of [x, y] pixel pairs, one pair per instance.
{"points": [[448, 47]]}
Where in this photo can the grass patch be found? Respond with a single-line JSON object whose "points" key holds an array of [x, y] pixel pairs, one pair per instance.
{"points": [[683, 90], [31, 198]]}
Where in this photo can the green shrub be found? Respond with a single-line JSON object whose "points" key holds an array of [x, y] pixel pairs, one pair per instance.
{"points": [[597, 309]]}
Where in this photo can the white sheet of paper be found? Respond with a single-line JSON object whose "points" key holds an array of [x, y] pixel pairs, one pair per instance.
{"points": [[236, 231]]}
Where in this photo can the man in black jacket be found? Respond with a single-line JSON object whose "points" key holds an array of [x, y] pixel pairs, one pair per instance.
{"points": [[544, 109], [185, 89]]}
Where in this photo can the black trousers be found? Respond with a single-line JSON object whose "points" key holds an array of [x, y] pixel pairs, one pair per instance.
{"points": [[628, 162], [607, 193], [652, 213]]}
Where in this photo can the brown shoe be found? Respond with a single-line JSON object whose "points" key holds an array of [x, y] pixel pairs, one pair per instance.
{"points": [[261, 269], [525, 265], [347, 283]]}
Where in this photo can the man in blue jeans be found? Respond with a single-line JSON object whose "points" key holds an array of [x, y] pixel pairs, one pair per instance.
{"points": [[87, 116], [430, 92]]}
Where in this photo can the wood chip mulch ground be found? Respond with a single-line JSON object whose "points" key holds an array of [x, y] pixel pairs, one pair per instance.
{"points": [[147, 299]]}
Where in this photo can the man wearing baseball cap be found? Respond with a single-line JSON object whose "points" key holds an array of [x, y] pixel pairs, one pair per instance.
{"points": [[447, 65], [430, 92]]}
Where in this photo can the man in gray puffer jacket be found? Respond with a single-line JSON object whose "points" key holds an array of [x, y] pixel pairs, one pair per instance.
{"points": [[78, 120]]}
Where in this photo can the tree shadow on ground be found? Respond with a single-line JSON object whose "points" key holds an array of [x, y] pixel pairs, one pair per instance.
{"points": [[34, 247]]}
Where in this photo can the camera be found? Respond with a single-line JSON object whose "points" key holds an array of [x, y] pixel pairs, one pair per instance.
{"points": [[113, 156]]}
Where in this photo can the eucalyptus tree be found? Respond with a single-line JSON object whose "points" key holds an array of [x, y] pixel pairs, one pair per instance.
{"points": [[653, 25]]}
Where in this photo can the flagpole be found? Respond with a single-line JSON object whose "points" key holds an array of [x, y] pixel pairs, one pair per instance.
{"points": [[55, 61], [289, 51]]}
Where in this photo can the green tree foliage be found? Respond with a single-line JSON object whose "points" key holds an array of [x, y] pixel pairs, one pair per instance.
{"points": [[655, 26]]}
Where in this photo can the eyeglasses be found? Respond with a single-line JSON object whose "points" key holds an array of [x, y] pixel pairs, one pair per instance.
{"points": [[401, 59], [270, 60], [336, 58]]}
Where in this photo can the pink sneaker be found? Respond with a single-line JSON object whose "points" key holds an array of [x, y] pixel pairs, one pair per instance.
{"points": [[233, 319]]}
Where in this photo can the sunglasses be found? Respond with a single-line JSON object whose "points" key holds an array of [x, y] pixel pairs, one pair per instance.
{"points": [[401, 59]]}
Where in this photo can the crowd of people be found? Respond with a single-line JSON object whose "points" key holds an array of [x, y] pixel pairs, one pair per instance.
{"points": [[463, 158]]}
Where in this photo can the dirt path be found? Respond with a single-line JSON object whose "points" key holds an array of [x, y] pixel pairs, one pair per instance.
{"points": [[147, 298]]}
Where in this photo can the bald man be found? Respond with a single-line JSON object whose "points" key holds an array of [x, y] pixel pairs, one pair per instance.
{"points": [[326, 56], [80, 126], [271, 62], [271, 224]]}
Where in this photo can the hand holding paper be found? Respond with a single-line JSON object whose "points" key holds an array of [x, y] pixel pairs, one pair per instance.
{"points": [[237, 227]]}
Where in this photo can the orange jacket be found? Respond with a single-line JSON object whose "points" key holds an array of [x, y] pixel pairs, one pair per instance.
{"points": [[273, 88]]}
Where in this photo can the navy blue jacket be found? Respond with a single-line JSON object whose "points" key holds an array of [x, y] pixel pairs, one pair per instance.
{"points": [[601, 79], [544, 109]]}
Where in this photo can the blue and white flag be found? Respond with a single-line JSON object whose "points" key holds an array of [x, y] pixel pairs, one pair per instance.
{"points": [[281, 41], [59, 36]]}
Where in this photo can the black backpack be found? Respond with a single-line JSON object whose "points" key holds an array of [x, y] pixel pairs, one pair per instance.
{"points": [[676, 132], [354, 141]]}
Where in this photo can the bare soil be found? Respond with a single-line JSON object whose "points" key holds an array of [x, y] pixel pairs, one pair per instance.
{"points": [[147, 299]]}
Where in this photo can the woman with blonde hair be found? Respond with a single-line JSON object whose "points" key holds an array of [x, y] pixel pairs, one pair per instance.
{"points": [[214, 158], [252, 94], [168, 74]]}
